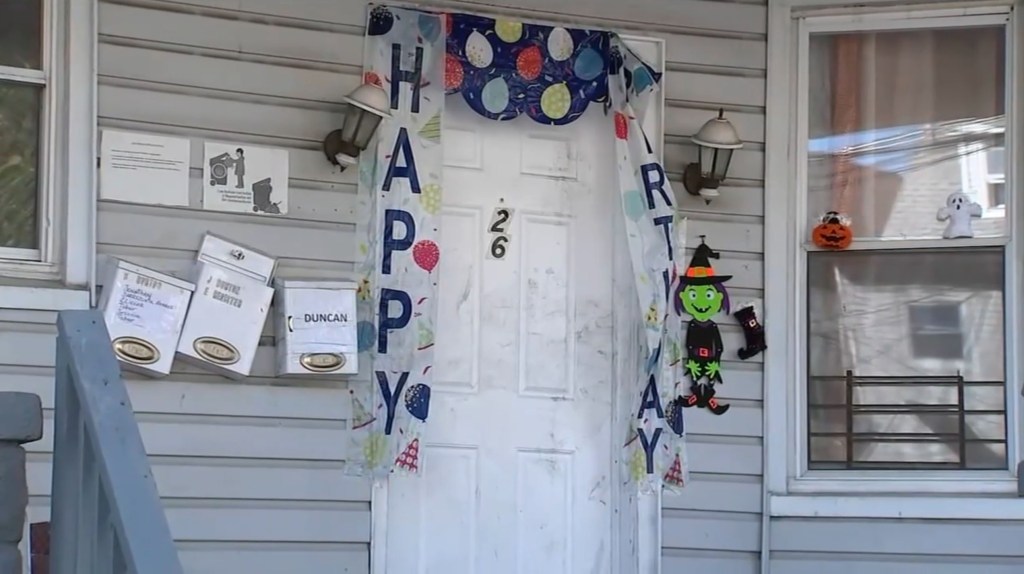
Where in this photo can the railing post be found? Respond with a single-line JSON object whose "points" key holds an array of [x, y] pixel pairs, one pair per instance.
{"points": [[21, 421]]}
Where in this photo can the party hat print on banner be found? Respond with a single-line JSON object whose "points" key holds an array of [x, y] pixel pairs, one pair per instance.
{"points": [[674, 476], [409, 460], [431, 130], [360, 416]]}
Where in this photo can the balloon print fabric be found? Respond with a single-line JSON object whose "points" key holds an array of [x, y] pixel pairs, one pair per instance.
{"points": [[400, 191], [507, 68]]}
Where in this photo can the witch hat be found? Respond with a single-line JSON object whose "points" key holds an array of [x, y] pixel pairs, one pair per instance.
{"points": [[700, 271]]}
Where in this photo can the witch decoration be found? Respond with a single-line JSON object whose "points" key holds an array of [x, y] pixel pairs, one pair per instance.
{"points": [[702, 295]]}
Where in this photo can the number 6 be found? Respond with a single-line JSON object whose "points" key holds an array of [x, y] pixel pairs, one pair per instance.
{"points": [[498, 248]]}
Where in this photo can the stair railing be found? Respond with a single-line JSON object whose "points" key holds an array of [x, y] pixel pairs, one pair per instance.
{"points": [[106, 515]]}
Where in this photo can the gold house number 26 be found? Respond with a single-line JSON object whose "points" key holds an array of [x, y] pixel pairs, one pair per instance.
{"points": [[498, 231]]}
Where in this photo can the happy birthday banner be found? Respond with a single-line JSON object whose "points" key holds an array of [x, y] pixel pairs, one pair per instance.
{"points": [[503, 69], [400, 197], [655, 445]]}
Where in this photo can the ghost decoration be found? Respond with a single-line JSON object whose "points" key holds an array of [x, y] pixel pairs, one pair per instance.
{"points": [[958, 212]]}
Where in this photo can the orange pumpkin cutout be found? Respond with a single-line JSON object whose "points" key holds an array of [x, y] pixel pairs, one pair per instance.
{"points": [[833, 232]]}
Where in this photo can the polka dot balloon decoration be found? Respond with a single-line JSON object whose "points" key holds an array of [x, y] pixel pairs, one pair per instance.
{"points": [[507, 68]]}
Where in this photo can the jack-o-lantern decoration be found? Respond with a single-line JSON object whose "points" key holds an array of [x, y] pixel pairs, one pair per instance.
{"points": [[832, 232]]}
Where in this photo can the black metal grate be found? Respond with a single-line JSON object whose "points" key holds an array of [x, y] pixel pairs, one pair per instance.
{"points": [[900, 423]]}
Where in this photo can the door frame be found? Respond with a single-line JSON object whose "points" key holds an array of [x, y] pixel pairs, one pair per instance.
{"points": [[636, 541]]}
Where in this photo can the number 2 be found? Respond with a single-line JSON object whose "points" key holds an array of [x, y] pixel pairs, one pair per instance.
{"points": [[501, 217]]}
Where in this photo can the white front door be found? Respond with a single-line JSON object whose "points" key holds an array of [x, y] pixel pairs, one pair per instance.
{"points": [[517, 471]]}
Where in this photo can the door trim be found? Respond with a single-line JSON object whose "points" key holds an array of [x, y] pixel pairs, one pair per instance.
{"points": [[636, 542]]}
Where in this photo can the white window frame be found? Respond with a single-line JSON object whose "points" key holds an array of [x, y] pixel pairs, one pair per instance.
{"points": [[60, 274], [791, 489]]}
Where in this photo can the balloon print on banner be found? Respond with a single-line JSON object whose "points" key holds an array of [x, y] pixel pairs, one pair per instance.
{"points": [[506, 68], [495, 96], [509, 31], [426, 254], [478, 50]]}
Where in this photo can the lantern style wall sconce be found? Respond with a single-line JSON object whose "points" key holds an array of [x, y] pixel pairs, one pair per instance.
{"points": [[367, 106], [716, 141]]}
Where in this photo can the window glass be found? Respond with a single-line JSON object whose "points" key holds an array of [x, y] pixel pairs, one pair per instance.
{"points": [[906, 359], [19, 164], [21, 33], [891, 117]]}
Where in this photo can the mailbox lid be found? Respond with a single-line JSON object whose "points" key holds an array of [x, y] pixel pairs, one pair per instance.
{"points": [[237, 257], [115, 265], [287, 284]]}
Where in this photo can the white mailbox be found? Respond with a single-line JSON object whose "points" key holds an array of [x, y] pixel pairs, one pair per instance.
{"points": [[144, 311], [316, 328], [229, 308]]}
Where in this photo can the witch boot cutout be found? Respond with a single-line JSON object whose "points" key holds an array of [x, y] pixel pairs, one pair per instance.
{"points": [[711, 403], [753, 330], [692, 399]]}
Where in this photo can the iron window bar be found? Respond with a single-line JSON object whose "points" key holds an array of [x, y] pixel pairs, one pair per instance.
{"points": [[960, 438]]}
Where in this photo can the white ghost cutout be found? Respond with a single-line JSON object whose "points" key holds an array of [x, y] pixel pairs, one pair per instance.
{"points": [[959, 211]]}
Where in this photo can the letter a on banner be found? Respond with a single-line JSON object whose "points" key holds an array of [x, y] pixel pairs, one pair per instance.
{"points": [[399, 244]]}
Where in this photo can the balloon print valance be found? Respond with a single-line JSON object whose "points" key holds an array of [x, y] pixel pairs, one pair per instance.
{"points": [[503, 69]]}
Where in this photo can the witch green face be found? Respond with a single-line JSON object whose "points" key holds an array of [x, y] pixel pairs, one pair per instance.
{"points": [[702, 302]]}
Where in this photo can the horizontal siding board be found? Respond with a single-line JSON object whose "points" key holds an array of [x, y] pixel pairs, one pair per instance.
{"points": [[179, 262], [257, 480], [184, 229], [817, 563], [724, 455], [274, 558], [205, 437], [217, 113], [693, 14], [965, 538], [304, 204], [258, 521], [170, 395], [717, 493], [711, 530], [119, 22], [123, 23], [705, 562], [741, 236], [715, 89], [229, 74], [744, 420]]}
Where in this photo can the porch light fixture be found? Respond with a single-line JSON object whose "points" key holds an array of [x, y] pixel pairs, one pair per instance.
{"points": [[367, 106], [716, 141]]}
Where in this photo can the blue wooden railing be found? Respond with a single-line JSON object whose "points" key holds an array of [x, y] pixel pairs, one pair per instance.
{"points": [[106, 515]]}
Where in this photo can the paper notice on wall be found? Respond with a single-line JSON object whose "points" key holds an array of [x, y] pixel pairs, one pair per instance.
{"points": [[245, 178], [144, 168]]}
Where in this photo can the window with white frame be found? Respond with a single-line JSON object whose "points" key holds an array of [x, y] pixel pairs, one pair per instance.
{"points": [[47, 149], [904, 365], [23, 92]]}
